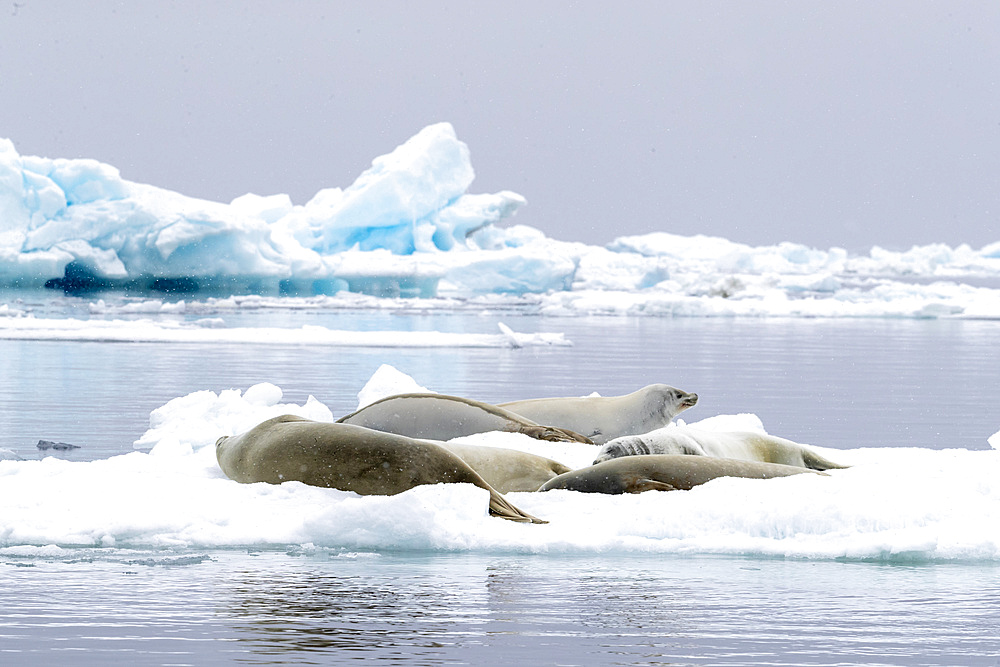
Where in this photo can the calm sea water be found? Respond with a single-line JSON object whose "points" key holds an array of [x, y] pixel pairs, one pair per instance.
{"points": [[269, 608], [833, 383]]}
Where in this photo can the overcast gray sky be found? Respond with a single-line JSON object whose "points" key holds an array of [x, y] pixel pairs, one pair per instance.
{"points": [[827, 123]]}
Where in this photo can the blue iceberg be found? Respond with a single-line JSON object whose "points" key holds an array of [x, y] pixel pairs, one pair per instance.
{"points": [[77, 224], [408, 227]]}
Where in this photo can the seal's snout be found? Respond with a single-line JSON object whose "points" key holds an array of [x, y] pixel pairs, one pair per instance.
{"points": [[688, 400]]}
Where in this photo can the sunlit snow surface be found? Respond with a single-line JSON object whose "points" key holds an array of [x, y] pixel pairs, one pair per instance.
{"points": [[408, 227], [909, 504]]}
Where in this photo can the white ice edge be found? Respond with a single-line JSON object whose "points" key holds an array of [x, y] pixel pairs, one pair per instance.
{"points": [[151, 331]]}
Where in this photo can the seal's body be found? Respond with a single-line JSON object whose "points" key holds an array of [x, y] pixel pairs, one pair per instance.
{"points": [[661, 472], [508, 470], [603, 418], [349, 458], [442, 417], [745, 446]]}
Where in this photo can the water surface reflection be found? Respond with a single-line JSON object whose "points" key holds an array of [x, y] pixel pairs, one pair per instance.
{"points": [[632, 610]]}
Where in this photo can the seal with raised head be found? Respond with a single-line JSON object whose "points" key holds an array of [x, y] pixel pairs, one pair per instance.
{"points": [[604, 418], [443, 417], [349, 458], [742, 445], [662, 472], [508, 470]]}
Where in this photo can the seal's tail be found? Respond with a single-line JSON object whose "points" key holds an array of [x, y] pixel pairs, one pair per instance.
{"points": [[501, 507]]}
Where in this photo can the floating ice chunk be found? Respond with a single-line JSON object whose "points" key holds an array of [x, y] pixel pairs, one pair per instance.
{"points": [[784, 258], [823, 282], [420, 177], [388, 381], [102, 262], [673, 245], [42, 197], [264, 394], [743, 421], [516, 339], [602, 269], [492, 237], [535, 268], [703, 253], [82, 181], [381, 208], [930, 260], [191, 424], [455, 223]]}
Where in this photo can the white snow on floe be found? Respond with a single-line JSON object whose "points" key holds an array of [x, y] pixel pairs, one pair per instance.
{"points": [[893, 504], [408, 228]]}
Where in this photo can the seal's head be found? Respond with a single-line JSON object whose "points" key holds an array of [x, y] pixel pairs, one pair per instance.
{"points": [[673, 401], [627, 445]]}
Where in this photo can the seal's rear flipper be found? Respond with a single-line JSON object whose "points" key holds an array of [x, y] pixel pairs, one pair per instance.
{"points": [[646, 484], [554, 434], [499, 506], [576, 437], [814, 461]]}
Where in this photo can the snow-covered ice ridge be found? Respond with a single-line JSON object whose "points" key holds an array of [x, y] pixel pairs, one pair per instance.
{"points": [[408, 228]]}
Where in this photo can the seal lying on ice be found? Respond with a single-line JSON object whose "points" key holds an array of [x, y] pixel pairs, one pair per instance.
{"points": [[442, 417], [745, 446], [603, 418], [508, 470], [349, 458], [662, 472]]}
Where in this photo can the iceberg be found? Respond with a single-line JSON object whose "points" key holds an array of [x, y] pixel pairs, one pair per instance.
{"points": [[78, 225], [409, 228]]}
